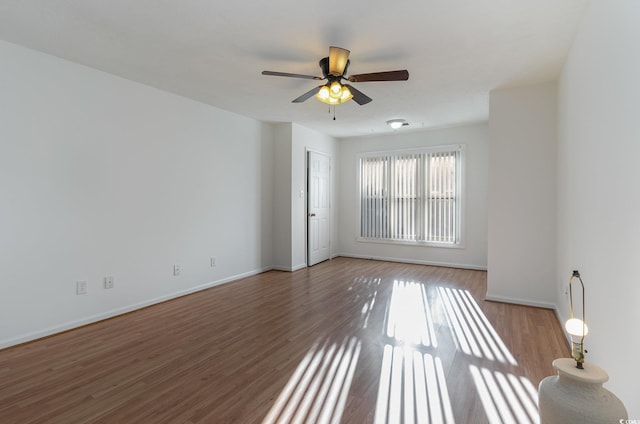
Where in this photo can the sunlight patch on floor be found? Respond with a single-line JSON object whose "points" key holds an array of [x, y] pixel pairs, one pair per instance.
{"points": [[318, 389], [368, 298], [472, 332], [505, 398], [412, 388], [409, 317]]}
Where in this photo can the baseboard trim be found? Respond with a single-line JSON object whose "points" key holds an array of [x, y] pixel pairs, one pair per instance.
{"points": [[525, 302], [413, 261], [298, 267], [289, 268], [25, 338]]}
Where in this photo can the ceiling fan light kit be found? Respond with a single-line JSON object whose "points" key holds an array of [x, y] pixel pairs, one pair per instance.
{"points": [[334, 68], [334, 94]]}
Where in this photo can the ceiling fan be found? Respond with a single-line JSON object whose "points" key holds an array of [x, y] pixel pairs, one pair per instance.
{"points": [[334, 69]]}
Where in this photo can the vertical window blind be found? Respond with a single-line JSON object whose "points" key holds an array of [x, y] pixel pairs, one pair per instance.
{"points": [[411, 196]]}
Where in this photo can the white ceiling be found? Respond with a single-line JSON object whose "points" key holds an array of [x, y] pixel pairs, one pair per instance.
{"points": [[213, 51]]}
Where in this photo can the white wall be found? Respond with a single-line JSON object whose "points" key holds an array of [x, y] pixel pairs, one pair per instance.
{"points": [[598, 195], [522, 195], [291, 142], [102, 176], [305, 139], [282, 190], [474, 253]]}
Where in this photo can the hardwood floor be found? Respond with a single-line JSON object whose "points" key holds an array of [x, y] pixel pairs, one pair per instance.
{"points": [[348, 340]]}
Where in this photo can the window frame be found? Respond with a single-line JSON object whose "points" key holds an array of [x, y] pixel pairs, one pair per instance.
{"points": [[460, 189]]}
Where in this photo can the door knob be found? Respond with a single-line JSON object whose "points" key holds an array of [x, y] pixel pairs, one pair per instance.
{"points": [[312, 214]]}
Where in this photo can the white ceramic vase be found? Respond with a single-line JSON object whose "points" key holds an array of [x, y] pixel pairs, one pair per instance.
{"points": [[577, 396]]}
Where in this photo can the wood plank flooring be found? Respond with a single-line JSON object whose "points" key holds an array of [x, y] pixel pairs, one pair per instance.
{"points": [[348, 340]]}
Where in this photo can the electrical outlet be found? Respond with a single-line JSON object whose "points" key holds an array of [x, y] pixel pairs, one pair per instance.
{"points": [[213, 262], [176, 269], [108, 282], [81, 287]]}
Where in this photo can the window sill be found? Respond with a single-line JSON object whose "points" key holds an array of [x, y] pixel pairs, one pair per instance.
{"points": [[412, 243]]}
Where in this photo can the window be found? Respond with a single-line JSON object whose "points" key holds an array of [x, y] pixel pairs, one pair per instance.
{"points": [[412, 196]]}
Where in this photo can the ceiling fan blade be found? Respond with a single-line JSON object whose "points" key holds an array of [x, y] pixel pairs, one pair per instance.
{"points": [[286, 74], [306, 95], [402, 75], [338, 58], [358, 96]]}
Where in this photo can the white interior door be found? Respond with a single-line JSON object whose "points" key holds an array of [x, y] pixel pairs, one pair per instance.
{"points": [[318, 208]]}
